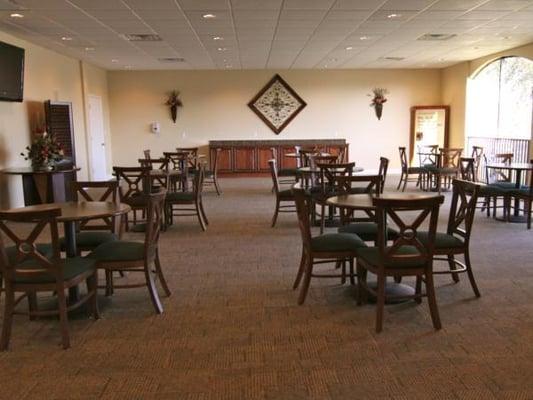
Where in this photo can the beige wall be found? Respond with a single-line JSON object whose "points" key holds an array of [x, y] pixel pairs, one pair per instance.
{"points": [[48, 75], [215, 107], [453, 80]]}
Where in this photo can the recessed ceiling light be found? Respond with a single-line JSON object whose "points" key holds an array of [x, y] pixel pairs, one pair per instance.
{"points": [[66, 38], [114, 60], [391, 16], [365, 38], [349, 48], [221, 49], [16, 15], [89, 49], [209, 16], [218, 38]]}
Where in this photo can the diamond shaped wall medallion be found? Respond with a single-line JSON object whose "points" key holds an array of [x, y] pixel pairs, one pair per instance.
{"points": [[277, 104]]}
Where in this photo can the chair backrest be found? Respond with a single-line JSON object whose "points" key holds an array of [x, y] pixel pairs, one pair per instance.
{"points": [[400, 211], [146, 154], [463, 208], [428, 154], [26, 252], [305, 155], [467, 169], [132, 181], [477, 155], [403, 159], [303, 211], [504, 158], [177, 160], [315, 159], [154, 218], [218, 150], [329, 172], [110, 191], [274, 173], [449, 158], [372, 182], [383, 168], [198, 181], [191, 150]]}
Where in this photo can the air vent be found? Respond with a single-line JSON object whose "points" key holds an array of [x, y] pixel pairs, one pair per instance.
{"points": [[393, 58], [172, 59], [142, 38], [436, 36]]}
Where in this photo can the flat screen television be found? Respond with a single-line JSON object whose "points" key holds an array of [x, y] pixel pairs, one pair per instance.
{"points": [[11, 72]]}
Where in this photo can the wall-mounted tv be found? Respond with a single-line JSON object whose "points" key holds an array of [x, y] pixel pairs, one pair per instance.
{"points": [[11, 72]]}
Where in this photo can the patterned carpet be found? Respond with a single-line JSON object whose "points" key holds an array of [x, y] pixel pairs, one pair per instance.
{"points": [[232, 328]]}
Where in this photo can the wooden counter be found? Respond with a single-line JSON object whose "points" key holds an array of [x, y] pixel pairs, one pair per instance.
{"points": [[252, 156]]}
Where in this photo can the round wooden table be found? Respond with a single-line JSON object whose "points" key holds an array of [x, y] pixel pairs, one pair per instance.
{"points": [[519, 168], [364, 202], [298, 155], [72, 212], [309, 170]]}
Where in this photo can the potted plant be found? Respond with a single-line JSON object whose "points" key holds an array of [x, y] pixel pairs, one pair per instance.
{"points": [[173, 101], [44, 152], [378, 100]]}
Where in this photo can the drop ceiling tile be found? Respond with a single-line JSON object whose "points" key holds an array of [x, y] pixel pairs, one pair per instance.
{"points": [[406, 5], [308, 4], [256, 4], [383, 15], [204, 5], [251, 15], [483, 15], [99, 4], [351, 15], [504, 5], [456, 5], [151, 4], [356, 4]]}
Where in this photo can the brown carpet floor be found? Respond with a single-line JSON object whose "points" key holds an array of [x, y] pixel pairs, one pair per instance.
{"points": [[232, 328]]}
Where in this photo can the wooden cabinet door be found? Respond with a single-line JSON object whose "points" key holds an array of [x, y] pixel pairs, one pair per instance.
{"points": [[287, 162], [224, 159], [263, 155], [243, 159]]}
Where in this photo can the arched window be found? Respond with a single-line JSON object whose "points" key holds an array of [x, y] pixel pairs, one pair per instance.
{"points": [[500, 106]]}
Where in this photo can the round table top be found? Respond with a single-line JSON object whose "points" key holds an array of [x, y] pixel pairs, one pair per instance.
{"points": [[80, 211], [365, 201], [309, 170], [516, 166], [31, 171], [162, 172]]}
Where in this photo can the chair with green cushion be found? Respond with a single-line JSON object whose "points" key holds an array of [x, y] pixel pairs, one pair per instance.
{"points": [[290, 174], [142, 257], [134, 184], [29, 268], [211, 175], [405, 256], [188, 203], [282, 196], [337, 248], [407, 170], [525, 193]]}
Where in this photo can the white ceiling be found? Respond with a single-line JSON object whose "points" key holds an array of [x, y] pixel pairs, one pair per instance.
{"points": [[274, 34]]}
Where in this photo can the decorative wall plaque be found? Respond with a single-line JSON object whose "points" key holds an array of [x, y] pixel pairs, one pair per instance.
{"points": [[277, 104]]}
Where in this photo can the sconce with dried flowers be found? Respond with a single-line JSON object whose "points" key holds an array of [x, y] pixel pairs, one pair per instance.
{"points": [[174, 102], [378, 100]]}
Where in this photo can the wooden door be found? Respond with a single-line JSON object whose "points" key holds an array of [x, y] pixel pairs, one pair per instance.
{"points": [[224, 159], [243, 159], [287, 162], [263, 155]]}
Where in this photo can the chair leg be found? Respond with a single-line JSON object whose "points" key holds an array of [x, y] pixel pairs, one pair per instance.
{"points": [[203, 212], [433, 309], [471, 274], [7, 322], [274, 219], [361, 278], [32, 304], [152, 290], [217, 188], [343, 272], [451, 263], [418, 289], [63, 317], [400, 183], [405, 182], [352, 272], [92, 286], [199, 215], [161, 277], [307, 279], [398, 279], [109, 282], [380, 303], [300, 270], [528, 211], [322, 218]]}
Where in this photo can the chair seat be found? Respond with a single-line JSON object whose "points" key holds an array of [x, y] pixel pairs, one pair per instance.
{"points": [[180, 196], [119, 250], [138, 200], [504, 185], [442, 240], [72, 267], [491, 190], [524, 191], [368, 231], [90, 239], [333, 242], [286, 194], [372, 256], [415, 170], [288, 172]]}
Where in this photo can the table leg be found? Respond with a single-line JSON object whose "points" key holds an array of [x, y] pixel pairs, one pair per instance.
{"points": [[72, 251], [517, 186]]}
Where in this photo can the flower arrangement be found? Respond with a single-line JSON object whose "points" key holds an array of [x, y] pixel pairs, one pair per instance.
{"points": [[174, 102], [44, 151], [378, 100]]}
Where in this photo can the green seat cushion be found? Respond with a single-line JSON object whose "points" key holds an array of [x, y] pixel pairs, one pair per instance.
{"points": [[333, 242], [504, 185], [288, 172], [442, 240], [138, 200], [373, 257], [89, 239], [180, 196], [119, 250], [368, 231], [286, 194], [491, 190], [415, 170], [45, 249], [523, 191], [72, 267]]}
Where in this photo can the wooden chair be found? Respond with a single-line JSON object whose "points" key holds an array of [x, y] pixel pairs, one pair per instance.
{"points": [[405, 256], [477, 155], [211, 175], [329, 248], [382, 171], [134, 184], [192, 156], [447, 167], [525, 193], [502, 178], [178, 169], [26, 268], [407, 170], [282, 196], [143, 257], [147, 154], [90, 234], [290, 174], [456, 240], [176, 202]]}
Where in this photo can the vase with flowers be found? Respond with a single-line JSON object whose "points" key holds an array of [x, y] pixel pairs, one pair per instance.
{"points": [[44, 152], [174, 102], [378, 100]]}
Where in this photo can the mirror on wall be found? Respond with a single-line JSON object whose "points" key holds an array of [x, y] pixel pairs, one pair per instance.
{"points": [[430, 126]]}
